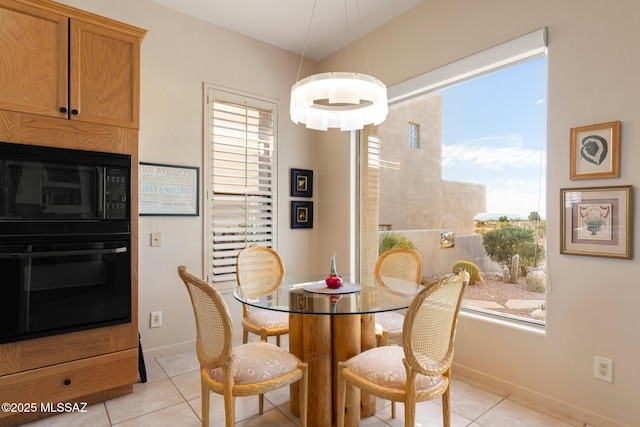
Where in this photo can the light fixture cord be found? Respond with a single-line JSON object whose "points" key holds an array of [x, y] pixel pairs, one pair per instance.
{"points": [[346, 36], [306, 40], [364, 47]]}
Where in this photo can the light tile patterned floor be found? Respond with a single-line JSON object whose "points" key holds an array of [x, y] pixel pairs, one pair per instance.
{"points": [[171, 397]]}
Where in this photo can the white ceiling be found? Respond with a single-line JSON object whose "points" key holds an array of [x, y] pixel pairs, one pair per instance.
{"points": [[285, 23]]}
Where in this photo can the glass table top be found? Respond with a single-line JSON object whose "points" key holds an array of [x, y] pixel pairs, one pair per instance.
{"points": [[308, 294]]}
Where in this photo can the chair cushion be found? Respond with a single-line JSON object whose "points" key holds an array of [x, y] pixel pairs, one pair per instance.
{"points": [[389, 321], [383, 366], [257, 361], [268, 319]]}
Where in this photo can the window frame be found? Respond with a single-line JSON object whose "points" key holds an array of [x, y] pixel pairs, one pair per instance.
{"points": [[522, 49]]}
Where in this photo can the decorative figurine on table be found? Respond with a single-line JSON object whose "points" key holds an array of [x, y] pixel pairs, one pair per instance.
{"points": [[333, 281]]}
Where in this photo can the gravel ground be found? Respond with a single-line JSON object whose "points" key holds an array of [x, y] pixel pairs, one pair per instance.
{"points": [[492, 289]]}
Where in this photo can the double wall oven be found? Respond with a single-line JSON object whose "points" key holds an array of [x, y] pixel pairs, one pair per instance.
{"points": [[65, 240]]}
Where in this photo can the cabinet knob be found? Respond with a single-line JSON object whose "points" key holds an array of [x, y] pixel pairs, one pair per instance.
{"points": [[63, 110], [74, 112], [67, 381]]}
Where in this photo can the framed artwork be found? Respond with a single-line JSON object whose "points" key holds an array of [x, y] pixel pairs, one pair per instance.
{"points": [[597, 221], [301, 214], [301, 183], [595, 151], [447, 239], [168, 190]]}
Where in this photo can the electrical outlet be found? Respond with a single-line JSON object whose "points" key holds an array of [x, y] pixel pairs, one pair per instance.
{"points": [[155, 320], [603, 369], [156, 239]]}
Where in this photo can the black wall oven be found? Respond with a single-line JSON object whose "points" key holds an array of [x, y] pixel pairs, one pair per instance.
{"points": [[65, 240]]}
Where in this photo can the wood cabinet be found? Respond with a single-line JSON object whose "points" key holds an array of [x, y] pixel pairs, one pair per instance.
{"points": [[60, 62], [54, 56]]}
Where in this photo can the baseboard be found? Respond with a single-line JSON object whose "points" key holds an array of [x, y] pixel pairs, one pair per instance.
{"points": [[536, 400], [170, 350], [183, 347]]}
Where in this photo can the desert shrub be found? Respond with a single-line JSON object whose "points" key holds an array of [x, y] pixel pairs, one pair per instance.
{"points": [[503, 243], [393, 239]]}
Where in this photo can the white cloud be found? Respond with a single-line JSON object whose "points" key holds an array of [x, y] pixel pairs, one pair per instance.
{"points": [[516, 197], [492, 153]]}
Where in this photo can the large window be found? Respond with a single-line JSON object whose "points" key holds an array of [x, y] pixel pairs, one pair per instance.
{"points": [[475, 189], [240, 179]]}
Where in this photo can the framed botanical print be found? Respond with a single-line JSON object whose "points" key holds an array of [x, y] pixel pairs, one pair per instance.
{"points": [[597, 221], [595, 151]]}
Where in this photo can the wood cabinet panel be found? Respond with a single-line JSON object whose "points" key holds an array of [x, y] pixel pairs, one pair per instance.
{"points": [[67, 382], [104, 75], [33, 59], [62, 62]]}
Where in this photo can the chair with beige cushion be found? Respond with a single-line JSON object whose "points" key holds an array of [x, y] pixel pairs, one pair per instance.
{"points": [[264, 265], [400, 263], [419, 370], [249, 369]]}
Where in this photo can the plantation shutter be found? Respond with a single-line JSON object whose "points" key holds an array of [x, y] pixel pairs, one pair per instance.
{"points": [[241, 176]]}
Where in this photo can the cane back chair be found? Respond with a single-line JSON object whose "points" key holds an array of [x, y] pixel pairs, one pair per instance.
{"points": [[401, 263], [260, 263], [246, 370], [419, 370]]}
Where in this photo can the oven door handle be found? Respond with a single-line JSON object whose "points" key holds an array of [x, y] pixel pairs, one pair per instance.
{"points": [[19, 255]]}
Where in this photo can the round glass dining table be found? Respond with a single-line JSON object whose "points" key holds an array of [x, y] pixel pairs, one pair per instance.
{"points": [[327, 326]]}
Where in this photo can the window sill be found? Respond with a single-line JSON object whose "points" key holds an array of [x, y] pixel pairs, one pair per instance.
{"points": [[527, 325]]}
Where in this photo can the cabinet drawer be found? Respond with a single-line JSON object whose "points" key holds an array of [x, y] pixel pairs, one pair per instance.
{"points": [[73, 380]]}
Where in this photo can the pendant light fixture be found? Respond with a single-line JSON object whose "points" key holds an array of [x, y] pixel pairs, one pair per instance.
{"points": [[344, 100]]}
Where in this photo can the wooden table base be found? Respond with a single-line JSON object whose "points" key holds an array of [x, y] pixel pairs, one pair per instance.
{"points": [[322, 341]]}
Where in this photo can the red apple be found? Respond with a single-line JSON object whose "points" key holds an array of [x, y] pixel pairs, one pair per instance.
{"points": [[333, 281]]}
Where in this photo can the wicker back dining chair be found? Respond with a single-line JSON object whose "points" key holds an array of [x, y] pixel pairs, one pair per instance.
{"points": [[236, 371], [260, 263], [419, 370], [401, 263]]}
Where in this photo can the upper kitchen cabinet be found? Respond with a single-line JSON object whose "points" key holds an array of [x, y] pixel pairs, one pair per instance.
{"points": [[62, 62]]}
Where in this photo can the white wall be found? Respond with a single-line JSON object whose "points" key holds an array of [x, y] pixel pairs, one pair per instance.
{"points": [[593, 67]]}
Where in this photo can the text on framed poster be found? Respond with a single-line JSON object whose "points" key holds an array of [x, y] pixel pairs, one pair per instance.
{"points": [[168, 190]]}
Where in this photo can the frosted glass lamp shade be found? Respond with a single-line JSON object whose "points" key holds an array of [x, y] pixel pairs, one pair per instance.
{"points": [[344, 100]]}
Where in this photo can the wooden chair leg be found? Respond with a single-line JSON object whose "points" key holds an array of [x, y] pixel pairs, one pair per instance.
{"points": [[245, 336], [205, 405], [230, 410], [278, 340], [446, 409], [303, 384], [260, 404]]}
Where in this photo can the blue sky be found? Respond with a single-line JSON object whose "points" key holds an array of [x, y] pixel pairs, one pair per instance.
{"points": [[494, 133]]}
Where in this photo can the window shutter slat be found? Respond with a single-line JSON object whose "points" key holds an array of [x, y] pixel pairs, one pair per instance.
{"points": [[242, 179]]}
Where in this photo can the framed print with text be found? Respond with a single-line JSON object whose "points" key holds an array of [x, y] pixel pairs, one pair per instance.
{"points": [[595, 151], [301, 183], [301, 214], [597, 221], [168, 190]]}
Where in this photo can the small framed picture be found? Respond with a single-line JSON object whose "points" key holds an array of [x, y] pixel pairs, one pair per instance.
{"points": [[597, 221], [595, 151], [301, 183], [301, 214]]}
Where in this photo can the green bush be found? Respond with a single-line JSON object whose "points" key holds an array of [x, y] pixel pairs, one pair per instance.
{"points": [[391, 240], [503, 243]]}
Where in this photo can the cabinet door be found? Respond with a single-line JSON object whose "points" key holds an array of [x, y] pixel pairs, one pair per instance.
{"points": [[33, 60], [104, 75]]}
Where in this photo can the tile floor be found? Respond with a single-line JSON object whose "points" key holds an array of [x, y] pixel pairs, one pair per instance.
{"points": [[171, 397]]}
